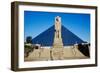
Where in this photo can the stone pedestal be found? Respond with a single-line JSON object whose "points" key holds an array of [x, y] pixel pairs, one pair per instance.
{"points": [[57, 43], [57, 54]]}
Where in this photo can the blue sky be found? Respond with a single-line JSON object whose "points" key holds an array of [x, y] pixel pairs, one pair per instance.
{"points": [[37, 22]]}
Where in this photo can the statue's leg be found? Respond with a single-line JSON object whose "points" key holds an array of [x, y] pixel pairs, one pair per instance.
{"points": [[59, 34], [56, 34]]}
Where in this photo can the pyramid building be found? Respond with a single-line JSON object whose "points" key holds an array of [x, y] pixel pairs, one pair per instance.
{"points": [[46, 38], [61, 42]]}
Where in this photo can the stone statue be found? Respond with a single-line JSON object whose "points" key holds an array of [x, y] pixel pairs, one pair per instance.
{"points": [[57, 34], [58, 27], [57, 50]]}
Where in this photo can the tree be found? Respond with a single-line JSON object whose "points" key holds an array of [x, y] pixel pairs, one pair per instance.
{"points": [[29, 39]]}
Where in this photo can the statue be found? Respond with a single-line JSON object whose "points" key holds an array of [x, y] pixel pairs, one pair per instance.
{"points": [[57, 50], [57, 27], [57, 34]]}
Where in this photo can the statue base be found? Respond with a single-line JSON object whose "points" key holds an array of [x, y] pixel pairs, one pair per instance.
{"points": [[57, 50]]}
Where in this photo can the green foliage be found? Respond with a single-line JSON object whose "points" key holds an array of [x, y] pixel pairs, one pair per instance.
{"points": [[29, 39], [27, 48]]}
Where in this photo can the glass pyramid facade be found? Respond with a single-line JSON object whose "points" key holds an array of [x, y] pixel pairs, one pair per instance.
{"points": [[46, 38]]}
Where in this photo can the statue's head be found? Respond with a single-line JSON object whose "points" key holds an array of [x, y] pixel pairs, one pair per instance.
{"points": [[58, 19]]}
